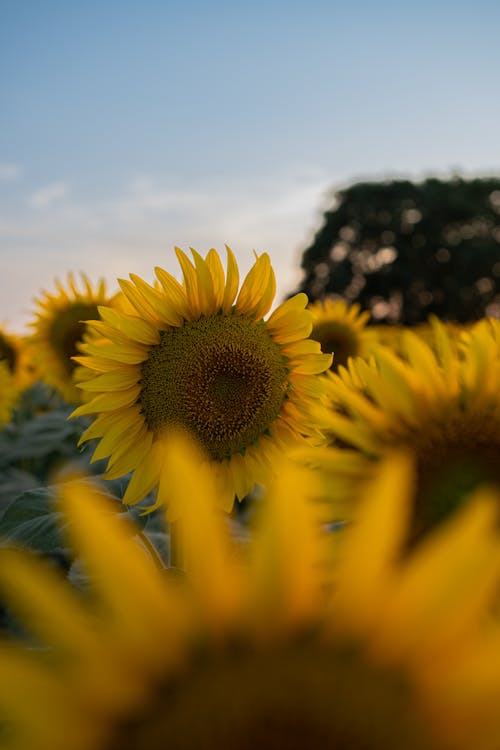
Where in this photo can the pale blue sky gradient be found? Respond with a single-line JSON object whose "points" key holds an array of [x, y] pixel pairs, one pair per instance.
{"points": [[128, 127]]}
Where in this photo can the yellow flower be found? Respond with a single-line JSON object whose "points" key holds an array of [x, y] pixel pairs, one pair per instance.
{"points": [[442, 402], [243, 652], [59, 329], [340, 329], [15, 354], [393, 335], [199, 355], [8, 394], [427, 607]]}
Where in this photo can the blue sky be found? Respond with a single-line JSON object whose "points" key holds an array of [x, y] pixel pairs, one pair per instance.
{"points": [[129, 127]]}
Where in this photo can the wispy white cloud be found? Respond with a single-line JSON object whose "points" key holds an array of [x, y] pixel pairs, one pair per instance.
{"points": [[49, 194], [9, 172], [137, 228]]}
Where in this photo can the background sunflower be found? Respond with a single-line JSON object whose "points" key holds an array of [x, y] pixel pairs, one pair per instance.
{"points": [[340, 329], [59, 328], [442, 402]]}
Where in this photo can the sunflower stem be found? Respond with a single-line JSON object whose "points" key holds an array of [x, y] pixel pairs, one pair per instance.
{"points": [[177, 547]]}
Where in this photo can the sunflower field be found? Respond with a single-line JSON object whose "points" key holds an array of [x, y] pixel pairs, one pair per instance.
{"points": [[228, 524]]}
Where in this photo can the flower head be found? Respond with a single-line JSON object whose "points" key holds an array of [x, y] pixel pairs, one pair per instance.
{"points": [[200, 356], [441, 402], [340, 329], [249, 651], [8, 393], [15, 353], [59, 329], [438, 600]]}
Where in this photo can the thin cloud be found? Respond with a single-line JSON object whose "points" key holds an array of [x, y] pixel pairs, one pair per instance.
{"points": [[9, 172], [49, 194], [136, 229]]}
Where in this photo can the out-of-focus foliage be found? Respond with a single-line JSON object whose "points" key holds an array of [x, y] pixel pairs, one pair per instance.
{"points": [[405, 250], [37, 442], [35, 447]]}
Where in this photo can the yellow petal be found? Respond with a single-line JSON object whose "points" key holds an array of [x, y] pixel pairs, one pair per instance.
{"points": [[232, 280], [288, 553], [256, 281], [135, 328], [217, 273], [142, 607], [138, 301], [116, 380], [373, 543], [191, 497], [108, 402], [190, 283], [206, 295], [175, 293]]}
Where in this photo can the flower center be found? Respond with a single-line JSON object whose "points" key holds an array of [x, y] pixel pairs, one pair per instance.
{"points": [[7, 353], [451, 464], [67, 330], [295, 698], [221, 377], [337, 339]]}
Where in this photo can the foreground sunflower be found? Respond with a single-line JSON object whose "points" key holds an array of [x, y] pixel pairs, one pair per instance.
{"points": [[438, 599], [441, 402], [59, 329], [251, 649], [340, 329], [199, 355]]}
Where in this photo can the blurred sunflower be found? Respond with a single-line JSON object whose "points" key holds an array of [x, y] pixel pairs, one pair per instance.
{"points": [[8, 393], [59, 329], [393, 335], [340, 329], [199, 355], [429, 607], [442, 402], [251, 652], [15, 354]]}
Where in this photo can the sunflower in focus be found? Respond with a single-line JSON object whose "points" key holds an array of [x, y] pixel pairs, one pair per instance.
{"points": [[254, 650], [442, 402], [199, 355], [59, 329], [340, 329]]}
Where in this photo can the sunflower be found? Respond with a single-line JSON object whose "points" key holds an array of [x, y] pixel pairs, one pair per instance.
{"points": [[250, 651], [59, 329], [393, 335], [199, 355], [438, 600], [441, 402], [8, 393], [15, 354], [340, 329]]}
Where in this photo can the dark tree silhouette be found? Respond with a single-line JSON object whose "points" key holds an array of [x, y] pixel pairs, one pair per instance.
{"points": [[404, 250]]}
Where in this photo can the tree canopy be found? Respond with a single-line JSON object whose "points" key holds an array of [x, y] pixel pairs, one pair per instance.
{"points": [[404, 250]]}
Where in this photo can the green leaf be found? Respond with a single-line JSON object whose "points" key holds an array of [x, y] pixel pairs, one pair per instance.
{"points": [[31, 521]]}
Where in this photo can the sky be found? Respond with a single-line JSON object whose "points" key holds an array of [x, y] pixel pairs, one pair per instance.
{"points": [[127, 128]]}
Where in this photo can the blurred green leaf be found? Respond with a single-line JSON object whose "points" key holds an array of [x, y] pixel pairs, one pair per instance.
{"points": [[31, 521]]}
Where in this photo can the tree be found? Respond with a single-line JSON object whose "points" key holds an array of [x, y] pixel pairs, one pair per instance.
{"points": [[404, 250]]}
